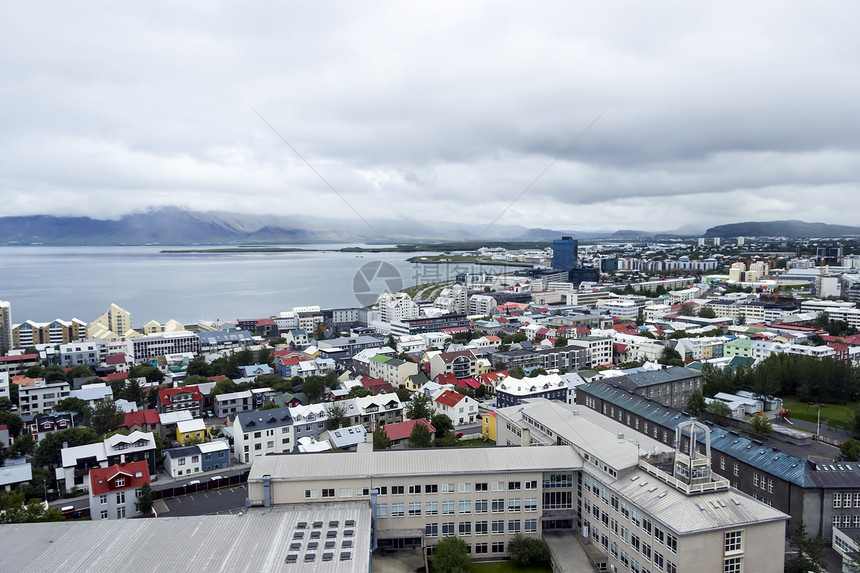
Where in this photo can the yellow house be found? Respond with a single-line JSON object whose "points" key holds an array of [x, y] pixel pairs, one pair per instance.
{"points": [[488, 426], [190, 430]]}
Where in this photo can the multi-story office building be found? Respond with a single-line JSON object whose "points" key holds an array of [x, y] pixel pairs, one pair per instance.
{"points": [[146, 347], [670, 386], [564, 253], [485, 496]]}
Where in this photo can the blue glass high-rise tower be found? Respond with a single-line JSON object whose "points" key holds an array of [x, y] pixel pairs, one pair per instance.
{"points": [[564, 253]]}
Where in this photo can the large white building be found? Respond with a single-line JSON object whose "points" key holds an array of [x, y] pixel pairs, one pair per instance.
{"points": [[397, 307], [146, 347]]}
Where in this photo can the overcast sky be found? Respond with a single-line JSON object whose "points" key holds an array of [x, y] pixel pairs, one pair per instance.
{"points": [[711, 112]]}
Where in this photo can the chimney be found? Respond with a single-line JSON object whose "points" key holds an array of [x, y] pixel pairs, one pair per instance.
{"points": [[267, 490]]}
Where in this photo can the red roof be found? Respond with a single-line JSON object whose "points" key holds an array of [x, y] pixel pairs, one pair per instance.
{"points": [[265, 322], [115, 359], [104, 480], [468, 383], [490, 377], [290, 361], [376, 385], [455, 329], [20, 358], [449, 378], [449, 398], [402, 430], [115, 376], [140, 418], [218, 378], [164, 395]]}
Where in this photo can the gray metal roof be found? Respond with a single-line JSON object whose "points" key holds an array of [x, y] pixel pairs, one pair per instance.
{"points": [[434, 461], [766, 458], [264, 419], [645, 379], [257, 541], [694, 513]]}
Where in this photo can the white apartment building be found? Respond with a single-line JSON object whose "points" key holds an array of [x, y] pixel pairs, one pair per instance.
{"points": [[5, 326], [397, 307], [85, 353], [40, 398], [482, 304], [836, 310], [623, 307], [146, 347], [262, 432]]}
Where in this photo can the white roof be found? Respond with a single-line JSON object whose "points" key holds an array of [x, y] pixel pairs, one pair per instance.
{"points": [[233, 396], [10, 475], [216, 446], [190, 426], [168, 418], [309, 445], [70, 456], [136, 436]]}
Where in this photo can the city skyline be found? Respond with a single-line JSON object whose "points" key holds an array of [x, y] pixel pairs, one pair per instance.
{"points": [[577, 114]]}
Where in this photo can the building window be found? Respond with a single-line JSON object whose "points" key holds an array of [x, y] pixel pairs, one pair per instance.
{"points": [[514, 526], [381, 510], [498, 486], [431, 508], [513, 485], [531, 504], [480, 548], [837, 499], [733, 565], [447, 488], [104, 514], [431, 488], [414, 508], [465, 488], [447, 507], [498, 506], [465, 528], [530, 526], [328, 492], [397, 490], [120, 482], [397, 509], [414, 489], [514, 504], [120, 498], [734, 541], [736, 469], [481, 487], [465, 506], [672, 543], [448, 529], [481, 506], [499, 526], [310, 494], [120, 512], [431, 530], [103, 499], [480, 528], [498, 547]]}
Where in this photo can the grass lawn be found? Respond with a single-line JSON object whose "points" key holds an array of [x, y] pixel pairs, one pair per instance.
{"points": [[506, 567], [476, 443], [840, 415]]}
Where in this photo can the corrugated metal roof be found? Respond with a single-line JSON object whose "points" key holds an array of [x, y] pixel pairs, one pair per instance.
{"points": [[645, 379], [257, 542], [434, 461]]}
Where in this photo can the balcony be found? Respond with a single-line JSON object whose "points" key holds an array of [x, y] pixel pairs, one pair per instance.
{"points": [[716, 483]]}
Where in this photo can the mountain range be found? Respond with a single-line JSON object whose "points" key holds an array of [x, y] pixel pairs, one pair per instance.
{"points": [[175, 226]]}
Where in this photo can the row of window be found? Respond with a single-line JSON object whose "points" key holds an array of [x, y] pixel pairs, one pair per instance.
{"points": [[480, 548], [844, 499], [497, 527], [463, 506], [846, 521]]}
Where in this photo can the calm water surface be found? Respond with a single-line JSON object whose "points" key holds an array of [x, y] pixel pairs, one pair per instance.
{"points": [[44, 283]]}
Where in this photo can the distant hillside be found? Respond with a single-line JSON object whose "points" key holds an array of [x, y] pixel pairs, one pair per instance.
{"points": [[174, 226], [789, 229]]}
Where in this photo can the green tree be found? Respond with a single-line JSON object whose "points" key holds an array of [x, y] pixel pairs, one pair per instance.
{"points": [[264, 355], [314, 387], [23, 445], [132, 392], [13, 422], [79, 372], [335, 416], [15, 508], [148, 371], [443, 425], [5, 404], [718, 408], [54, 373], [516, 372], [34, 371], [696, 403], [528, 551], [686, 310], [222, 387], [48, 451], [359, 392], [76, 405], [670, 357], [761, 425], [451, 555], [560, 342], [810, 552], [145, 501], [850, 449], [419, 437], [199, 368], [537, 372], [106, 417], [381, 441], [420, 406], [269, 406], [707, 312]]}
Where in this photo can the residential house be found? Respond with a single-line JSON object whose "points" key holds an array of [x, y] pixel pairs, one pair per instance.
{"points": [[460, 408], [189, 460], [297, 338], [255, 370], [399, 432], [232, 402], [15, 474], [346, 438], [116, 489], [190, 430], [380, 409], [49, 423], [512, 391], [488, 426], [393, 370], [187, 398], [462, 363], [262, 432], [169, 421], [77, 461], [92, 394], [41, 397], [142, 420]]}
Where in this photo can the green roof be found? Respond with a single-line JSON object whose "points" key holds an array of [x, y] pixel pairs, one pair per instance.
{"points": [[381, 358]]}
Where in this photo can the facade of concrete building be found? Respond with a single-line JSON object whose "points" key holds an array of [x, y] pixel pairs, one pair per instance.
{"points": [[147, 347], [392, 370], [462, 364], [115, 324], [116, 489], [37, 399], [262, 432], [397, 307], [512, 391], [796, 486], [82, 353], [670, 387], [227, 404], [571, 357]]}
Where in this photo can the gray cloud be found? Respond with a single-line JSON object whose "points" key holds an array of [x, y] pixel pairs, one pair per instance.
{"points": [[714, 113]]}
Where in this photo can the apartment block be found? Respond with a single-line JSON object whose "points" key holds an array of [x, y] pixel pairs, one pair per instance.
{"points": [[37, 399]]}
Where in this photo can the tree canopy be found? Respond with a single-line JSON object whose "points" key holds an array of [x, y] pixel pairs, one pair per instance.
{"points": [[420, 406], [48, 451], [419, 437], [451, 555]]}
